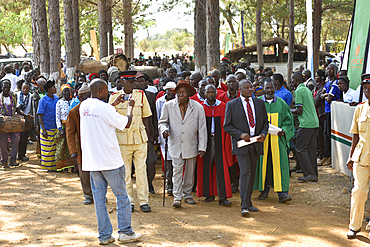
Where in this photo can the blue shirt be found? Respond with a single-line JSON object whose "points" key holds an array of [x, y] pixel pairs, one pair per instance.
{"points": [[284, 94], [334, 91], [74, 102], [47, 108]]}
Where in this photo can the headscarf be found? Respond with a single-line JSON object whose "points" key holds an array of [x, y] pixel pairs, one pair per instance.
{"points": [[64, 86]]}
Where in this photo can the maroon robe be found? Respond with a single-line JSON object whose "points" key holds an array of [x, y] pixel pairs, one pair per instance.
{"points": [[207, 173]]}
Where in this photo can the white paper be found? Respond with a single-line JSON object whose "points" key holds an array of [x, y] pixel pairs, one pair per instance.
{"points": [[243, 143], [273, 130]]}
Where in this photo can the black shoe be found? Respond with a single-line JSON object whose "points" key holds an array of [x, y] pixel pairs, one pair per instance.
{"points": [[170, 192], [253, 209], [151, 189], [245, 212], [234, 189], [132, 208], [88, 201], [162, 175], [299, 171], [209, 198], [145, 208], [285, 198], [263, 196], [13, 162], [308, 178], [352, 234], [224, 202]]}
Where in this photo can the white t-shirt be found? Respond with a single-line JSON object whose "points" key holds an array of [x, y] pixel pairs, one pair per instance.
{"points": [[28, 106], [99, 145], [350, 96], [13, 79], [7, 100]]}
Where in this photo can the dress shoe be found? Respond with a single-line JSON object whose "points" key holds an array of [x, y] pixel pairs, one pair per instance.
{"points": [[13, 162], [285, 198], [309, 178], [322, 162], [234, 189], [176, 204], [132, 208], [151, 189], [245, 212], [24, 158], [162, 175], [190, 201], [253, 209], [299, 171], [170, 192], [263, 196], [88, 201], [5, 165], [145, 208], [352, 233], [209, 198], [224, 202]]}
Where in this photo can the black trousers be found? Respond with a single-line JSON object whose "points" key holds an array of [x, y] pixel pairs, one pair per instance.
{"points": [[233, 172], [320, 139], [151, 160], [22, 148], [306, 147], [327, 135], [247, 165]]}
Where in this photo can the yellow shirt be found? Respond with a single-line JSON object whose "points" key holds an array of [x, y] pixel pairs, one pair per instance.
{"points": [[136, 134], [361, 126]]}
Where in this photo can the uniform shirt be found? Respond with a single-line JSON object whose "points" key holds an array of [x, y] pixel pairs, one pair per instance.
{"points": [[47, 107], [136, 134], [99, 145], [303, 97], [332, 90], [252, 131], [284, 94], [361, 126]]}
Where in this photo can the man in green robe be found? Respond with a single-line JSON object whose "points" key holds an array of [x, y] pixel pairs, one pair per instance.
{"points": [[273, 166]]}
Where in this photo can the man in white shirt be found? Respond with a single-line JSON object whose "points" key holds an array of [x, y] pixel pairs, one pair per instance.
{"points": [[10, 76], [101, 156]]}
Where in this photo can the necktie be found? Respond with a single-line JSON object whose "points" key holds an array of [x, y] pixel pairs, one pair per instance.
{"points": [[250, 114]]}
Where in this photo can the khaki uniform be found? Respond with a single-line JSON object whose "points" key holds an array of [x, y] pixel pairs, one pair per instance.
{"points": [[133, 144], [361, 166]]}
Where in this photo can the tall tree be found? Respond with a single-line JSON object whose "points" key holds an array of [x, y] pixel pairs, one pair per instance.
{"points": [[129, 32], [110, 28], [76, 33], [291, 40], [213, 34], [103, 28], [259, 33], [200, 54], [40, 35], [54, 41], [69, 40]]}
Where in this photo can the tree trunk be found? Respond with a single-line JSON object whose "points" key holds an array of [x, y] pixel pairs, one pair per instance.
{"points": [[103, 28], [110, 28], [213, 34], [129, 32], [40, 35], [54, 42], [259, 34], [69, 42], [291, 41], [200, 54], [76, 33], [317, 15]]}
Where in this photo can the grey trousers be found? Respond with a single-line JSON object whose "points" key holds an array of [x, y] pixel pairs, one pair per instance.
{"points": [[306, 147], [247, 165], [183, 180]]}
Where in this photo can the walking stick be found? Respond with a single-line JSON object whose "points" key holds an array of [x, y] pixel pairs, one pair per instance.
{"points": [[165, 170]]}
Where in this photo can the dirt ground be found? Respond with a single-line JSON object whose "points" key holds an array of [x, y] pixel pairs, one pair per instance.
{"points": [[38, 208]]}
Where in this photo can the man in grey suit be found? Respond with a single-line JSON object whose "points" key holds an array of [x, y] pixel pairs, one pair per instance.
{"points": [[184, 122], [246, 117]]}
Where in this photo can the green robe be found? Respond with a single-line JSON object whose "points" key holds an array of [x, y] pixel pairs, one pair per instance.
{"points": [[277, 166]]}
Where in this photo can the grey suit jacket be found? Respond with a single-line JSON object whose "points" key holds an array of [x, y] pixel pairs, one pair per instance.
{"points": [[236, 123], [188, 136]]}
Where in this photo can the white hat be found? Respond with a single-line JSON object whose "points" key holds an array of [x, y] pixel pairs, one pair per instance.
{"points": [[84, 88], [241, 71], [111, 70], [170, 85]]}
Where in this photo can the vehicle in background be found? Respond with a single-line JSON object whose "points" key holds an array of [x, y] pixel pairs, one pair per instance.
{"points": [[19, 60], [3, 56], [29, 55]]}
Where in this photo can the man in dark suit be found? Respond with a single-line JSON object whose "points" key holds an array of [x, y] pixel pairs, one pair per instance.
{"points": [[246, 117]]}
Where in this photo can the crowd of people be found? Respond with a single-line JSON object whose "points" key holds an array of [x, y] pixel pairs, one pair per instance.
{"points": [[233, 129]]}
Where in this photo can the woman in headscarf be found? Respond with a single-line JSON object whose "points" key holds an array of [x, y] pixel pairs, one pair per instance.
{"points": [[48, 126], [8, 107], [62, 156]]}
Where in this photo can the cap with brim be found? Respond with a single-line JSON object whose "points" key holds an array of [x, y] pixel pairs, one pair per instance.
{"points": [[49, 84], [127, 75], [183, 83], [84, 88], [170, 85], [365, 78], [241, 71], [92, 75]]}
